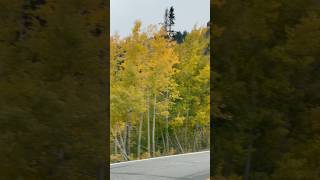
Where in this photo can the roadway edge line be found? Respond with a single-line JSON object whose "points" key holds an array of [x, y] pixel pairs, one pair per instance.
{"points": [[162, 157]]}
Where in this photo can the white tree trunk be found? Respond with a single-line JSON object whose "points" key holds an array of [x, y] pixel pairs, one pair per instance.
{"points": [[179, 145], [122, 150], [148, 109], [139, 137], [154, 126], [167, 126]]}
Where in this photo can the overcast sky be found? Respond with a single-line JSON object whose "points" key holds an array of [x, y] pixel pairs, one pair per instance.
{"points": [[188, 13]]}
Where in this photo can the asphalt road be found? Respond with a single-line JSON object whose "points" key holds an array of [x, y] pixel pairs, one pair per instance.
{"points": [[195, 166]]}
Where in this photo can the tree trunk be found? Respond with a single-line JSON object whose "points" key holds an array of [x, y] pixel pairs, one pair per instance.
{"points": [[179, 145], [122, 150], [186, 131], [167, 126], [186, 144], [202, 144], [148, 108], [125, 136], [156, 138], [163, 140], [115, 147], [129, 134], [194, 139], [154, 126], [121, 139], [170, 142], [139, 136]]}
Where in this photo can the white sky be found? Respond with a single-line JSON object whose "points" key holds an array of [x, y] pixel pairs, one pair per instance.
{"points": [[188, 13]]}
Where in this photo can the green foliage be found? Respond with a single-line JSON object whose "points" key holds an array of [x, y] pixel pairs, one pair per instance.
{"points": [[159, 93], [52, 123], [266, 59]]}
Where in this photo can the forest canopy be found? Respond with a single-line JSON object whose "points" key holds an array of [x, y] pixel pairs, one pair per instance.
{"points": [[160, 93]]}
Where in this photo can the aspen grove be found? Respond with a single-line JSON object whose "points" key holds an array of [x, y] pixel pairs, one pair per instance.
{"points": [[159, 93]]}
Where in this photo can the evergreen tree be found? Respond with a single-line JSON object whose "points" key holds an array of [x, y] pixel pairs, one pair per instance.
{"points": [[169, 18]]}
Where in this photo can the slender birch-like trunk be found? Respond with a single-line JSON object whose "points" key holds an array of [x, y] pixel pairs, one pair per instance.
{"points": [[195, 139], [139, 136], [122, 150], [186, 144], [179, 145], [125, 136], [154, 126], [129, 133], [115, 147], [164, 143], [186, 130], [167, 126], [148, 109], [121, 138]]}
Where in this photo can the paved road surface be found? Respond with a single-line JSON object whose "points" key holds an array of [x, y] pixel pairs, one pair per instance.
{"points": [[195, 166]]}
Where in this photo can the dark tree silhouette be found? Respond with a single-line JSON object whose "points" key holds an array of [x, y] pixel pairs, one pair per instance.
{"points": [[168, 23], [179, 37]]}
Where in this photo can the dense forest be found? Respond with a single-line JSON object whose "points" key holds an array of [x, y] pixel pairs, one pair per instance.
{"points": [[266, 84], [160, 91], [53, 99]]}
